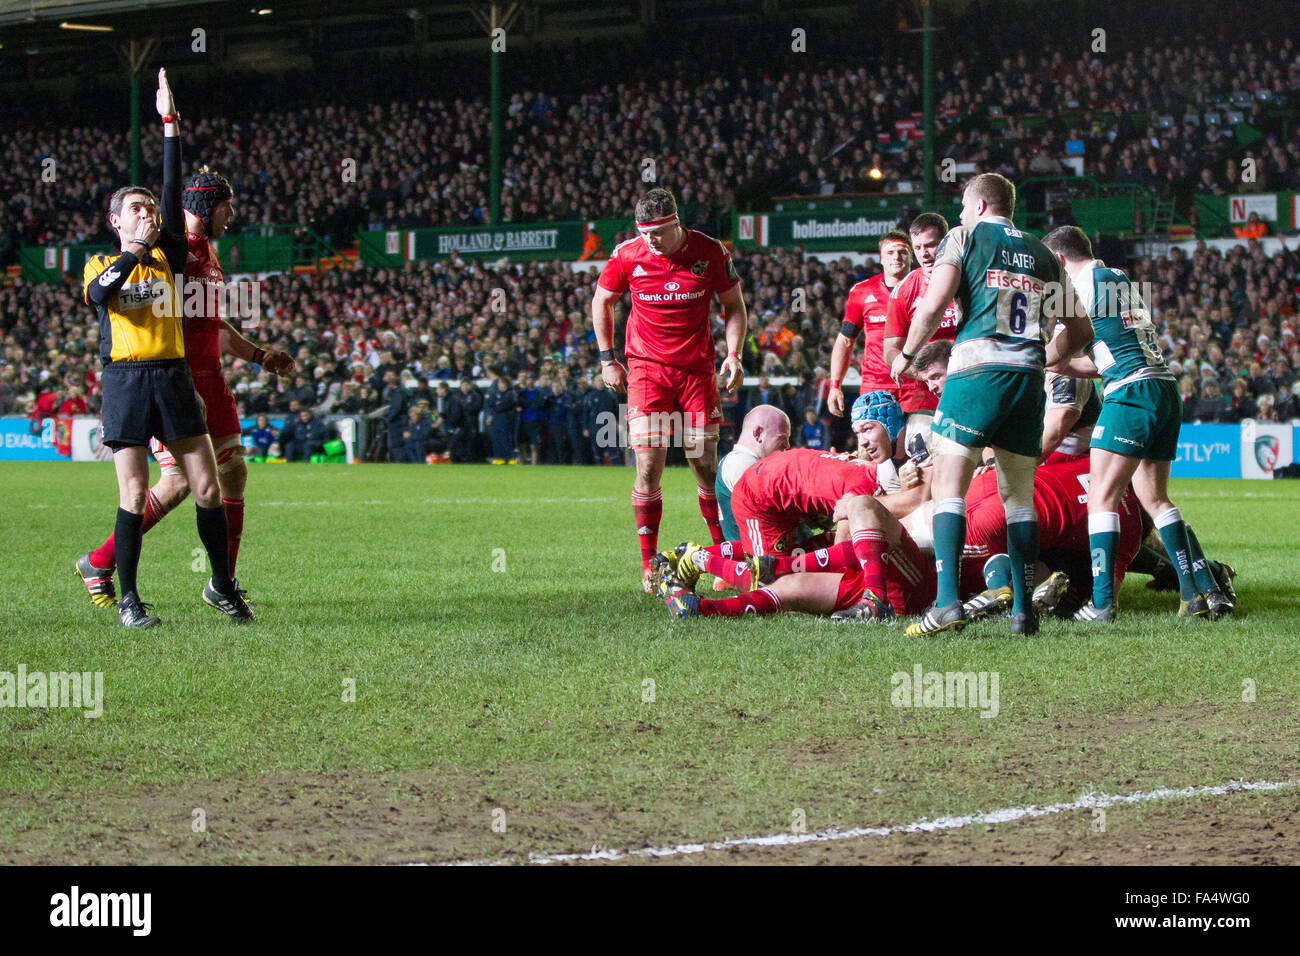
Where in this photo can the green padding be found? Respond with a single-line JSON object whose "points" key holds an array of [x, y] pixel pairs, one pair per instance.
{"points": [[335, 447]]}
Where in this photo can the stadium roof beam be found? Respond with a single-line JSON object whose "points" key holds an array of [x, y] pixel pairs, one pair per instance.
{"points": [[494, 17], [136, 55]]}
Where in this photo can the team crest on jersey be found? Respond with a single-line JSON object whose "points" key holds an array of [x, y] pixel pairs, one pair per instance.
{"points": [[700, 267], [780, 546]]}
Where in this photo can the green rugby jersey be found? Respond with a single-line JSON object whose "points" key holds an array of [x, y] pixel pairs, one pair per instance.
{"points": [[1008, 279], [1125, 346]]}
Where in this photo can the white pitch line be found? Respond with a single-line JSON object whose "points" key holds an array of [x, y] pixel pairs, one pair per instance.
{"points": [[1088, 801]]}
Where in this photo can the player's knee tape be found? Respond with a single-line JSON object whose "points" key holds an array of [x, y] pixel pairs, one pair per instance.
{"points": [[920, 525], [230, 454], [943, 445], [697, 433], [649, 431], [1016, 483], [166, 460]]}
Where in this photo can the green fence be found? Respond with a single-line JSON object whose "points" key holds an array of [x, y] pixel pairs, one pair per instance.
{"points": [[817, 223], [285, 248]]}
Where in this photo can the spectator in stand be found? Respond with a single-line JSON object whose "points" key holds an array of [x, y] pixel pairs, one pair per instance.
{"points": [[557, 425], [1289, 407], [812, 433], [398, 400], [532, 403], [417, 434], [1211, 406], [579, 437], [1191, 396], [501, 408], [1240, 405], [263, 436], [764, 394], [75, 403], [463, 409], [1267, 411], [603, 425], [304, 437]]}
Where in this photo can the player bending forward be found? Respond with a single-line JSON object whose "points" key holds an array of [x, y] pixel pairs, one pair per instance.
{"points": [[884, 575], [208, 202], [673, 273]]}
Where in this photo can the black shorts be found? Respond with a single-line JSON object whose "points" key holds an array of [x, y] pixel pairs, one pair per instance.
{"points": [[149, 399], [532, 433]]}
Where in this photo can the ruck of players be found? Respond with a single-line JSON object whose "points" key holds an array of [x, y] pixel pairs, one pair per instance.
{"points": [[1016, 426]]}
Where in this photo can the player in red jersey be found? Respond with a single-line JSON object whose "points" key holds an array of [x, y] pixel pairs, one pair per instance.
{"points": [[670, 380], [888, 577], [866, 310], [209, 206], [927, 231], [1061, 507]]}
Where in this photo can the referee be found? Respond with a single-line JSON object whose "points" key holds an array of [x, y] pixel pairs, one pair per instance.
{"points": [[147, 387]]}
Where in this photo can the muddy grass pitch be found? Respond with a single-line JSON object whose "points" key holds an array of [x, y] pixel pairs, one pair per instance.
{"points": [[454, 664]]}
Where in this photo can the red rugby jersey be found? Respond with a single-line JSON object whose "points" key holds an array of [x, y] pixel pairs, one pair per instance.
{"points": [[794, 485], [913, 396], [866, 309], [203, 330], [671, 296]]}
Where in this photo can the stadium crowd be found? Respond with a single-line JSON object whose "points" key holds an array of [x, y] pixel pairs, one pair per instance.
{"points": [[407, 347], [720, 139]]}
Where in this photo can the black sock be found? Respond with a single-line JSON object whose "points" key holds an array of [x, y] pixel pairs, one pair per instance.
{"points": [[212, 532], [1147, 561], [127, 533]]}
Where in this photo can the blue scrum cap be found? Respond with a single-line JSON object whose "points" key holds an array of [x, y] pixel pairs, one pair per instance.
{"points": [[880, 407]]}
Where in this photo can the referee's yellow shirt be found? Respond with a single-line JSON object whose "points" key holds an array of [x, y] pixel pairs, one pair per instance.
{"points": [[142, 322]]}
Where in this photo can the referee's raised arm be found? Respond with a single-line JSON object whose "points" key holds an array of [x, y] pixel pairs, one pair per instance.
{"points": [[172, 240]]}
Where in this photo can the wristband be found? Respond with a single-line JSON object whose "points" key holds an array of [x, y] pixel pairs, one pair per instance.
{"points": [[733, 355], [258, 356], [170, 118], [907, 358], [835, 383], [607, 356]]}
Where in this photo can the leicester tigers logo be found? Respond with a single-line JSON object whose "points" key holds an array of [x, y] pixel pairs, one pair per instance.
{"points": [[1266, 452]]}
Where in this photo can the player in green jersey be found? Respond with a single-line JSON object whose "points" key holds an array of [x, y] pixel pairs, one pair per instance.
{"points": [[1009, 290], [1136, 435]]}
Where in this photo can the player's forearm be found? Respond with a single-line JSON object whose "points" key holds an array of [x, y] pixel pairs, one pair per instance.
{"points": [[841, 354], [602, 321], [737, 324], [1078, 367], [1055, 427], [99, 291], [173, 213], [890, 349], [232, 343], [925, 322], [902, 503]]}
